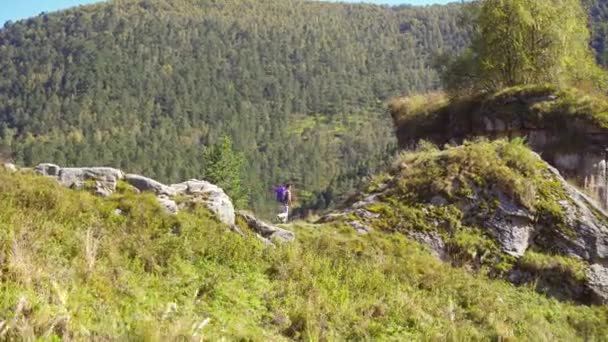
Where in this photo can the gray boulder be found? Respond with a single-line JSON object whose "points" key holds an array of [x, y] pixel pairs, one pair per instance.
{"points": [[47, 169], [76, 177], [433, 241], [11, 168], [168, 204], [210, 195], [583, 233], [142, 183], [587, 221], [360, 227], [103, 189], [105, 178], [512, 226], [587, 237], [597, 279], [267, 231]]}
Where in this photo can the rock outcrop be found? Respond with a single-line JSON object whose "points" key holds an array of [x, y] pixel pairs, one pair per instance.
{"points": [[359, 227], [266, 231], [142, 183], [103, 181], [512, 225], [433, 241], [587, 221], [175, 197], [168, 204], [104, 178], [537, 113], [578, 229], [597, 279], [212, 196], [10, 167]]}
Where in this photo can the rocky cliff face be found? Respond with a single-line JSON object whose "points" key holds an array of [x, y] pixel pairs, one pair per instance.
{"points": [[495, 206], [567, 128]]}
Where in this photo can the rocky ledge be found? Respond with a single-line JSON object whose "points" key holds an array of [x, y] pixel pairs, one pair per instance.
{"points": [[538, 113], [103, 181], [569, 225]]}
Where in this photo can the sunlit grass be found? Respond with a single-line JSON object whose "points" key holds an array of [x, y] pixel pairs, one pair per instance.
{"points": [[73, 268]]}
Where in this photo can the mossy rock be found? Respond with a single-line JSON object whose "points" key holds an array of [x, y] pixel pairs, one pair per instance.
{"points": [[497, 198]]}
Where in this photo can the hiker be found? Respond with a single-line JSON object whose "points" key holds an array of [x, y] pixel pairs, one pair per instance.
{"points": [[284, 197]]}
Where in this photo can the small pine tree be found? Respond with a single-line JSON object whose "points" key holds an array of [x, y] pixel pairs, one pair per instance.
{"points": [[223, 166]]}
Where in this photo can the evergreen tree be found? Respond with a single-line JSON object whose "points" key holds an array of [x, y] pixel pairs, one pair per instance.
{"points": [[224, 167]]}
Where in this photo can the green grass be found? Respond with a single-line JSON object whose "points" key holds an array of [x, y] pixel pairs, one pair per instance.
{"points": [[565, 265], [71, 267], [456, 172]]}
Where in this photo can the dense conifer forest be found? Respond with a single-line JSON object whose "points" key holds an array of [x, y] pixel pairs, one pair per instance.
{"points": [[298, 86], [146, 85]]}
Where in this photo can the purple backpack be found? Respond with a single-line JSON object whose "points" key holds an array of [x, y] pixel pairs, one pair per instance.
{"points": [[281, 193]]}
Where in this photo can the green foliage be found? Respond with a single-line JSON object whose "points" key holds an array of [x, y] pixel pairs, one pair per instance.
{"points": [[416, 108], [455, 171], [144, 85], [471, 247], [72, 268], [598, 20], [225, 168], [540, 262], [525, 42]]}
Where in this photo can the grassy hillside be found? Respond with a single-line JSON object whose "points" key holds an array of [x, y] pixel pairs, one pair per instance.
{"points": [[71, 265], [144, 85]]}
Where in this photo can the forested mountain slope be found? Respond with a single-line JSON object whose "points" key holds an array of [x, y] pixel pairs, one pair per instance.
{"points": [[598, 17], [298, 85], [144, 85]]}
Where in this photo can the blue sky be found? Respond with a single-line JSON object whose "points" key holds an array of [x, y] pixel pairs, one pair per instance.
{"points": [[19, 9]]}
